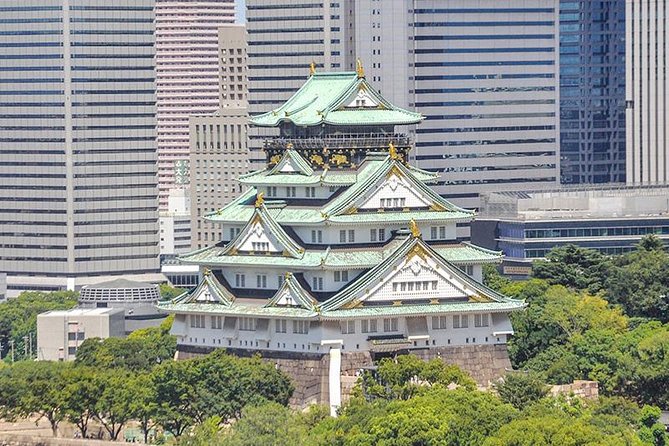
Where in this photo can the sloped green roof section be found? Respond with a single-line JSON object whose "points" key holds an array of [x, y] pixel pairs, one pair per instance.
{"points": [[270, 226], [324, 99], [352, 292], [293, 294], [208, 291]]}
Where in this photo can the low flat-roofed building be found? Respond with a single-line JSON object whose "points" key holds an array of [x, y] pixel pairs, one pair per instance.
{"points": [[526, 225], [61, 332]]}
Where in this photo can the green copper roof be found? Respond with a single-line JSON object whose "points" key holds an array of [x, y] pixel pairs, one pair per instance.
{"points": [[292, 163], [337, 258], [293, 294], [208, 291], [270, 226], [326, 98], [371, 173]]}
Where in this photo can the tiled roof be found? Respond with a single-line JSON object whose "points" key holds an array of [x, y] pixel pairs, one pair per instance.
{"points": [[323, 99]]}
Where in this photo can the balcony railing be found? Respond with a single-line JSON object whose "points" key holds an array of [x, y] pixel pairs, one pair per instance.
{"points": [[342, 141]]}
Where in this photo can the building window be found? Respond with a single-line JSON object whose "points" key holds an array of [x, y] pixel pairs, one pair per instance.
{"points": [[341, 276], [280, 325], [347, 327], [368, 325], [281, 278], [372, 235], [301, 327], [382, 235], [271, 191], [469, 269], [291, 191], [439, 322], [197, 320], [342, 236], [311, 192], [317, 283], [461, 321], [351, 235], [390, 325], [217, 322], [317, 236], [396, 202], [247, 324], [261, 281], [481, 320], [240, 280], [419, 285], [260, 246]]}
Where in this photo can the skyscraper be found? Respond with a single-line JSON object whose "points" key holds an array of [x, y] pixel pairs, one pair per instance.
{"points": [[647, 86], [592, 91], [78, 185], [186, 74], [484, 73]]}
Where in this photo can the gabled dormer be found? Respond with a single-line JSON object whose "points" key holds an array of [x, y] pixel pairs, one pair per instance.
{"points": [[208, 291], [262, 235], [291, 163], [293, 295], [414, 274]]}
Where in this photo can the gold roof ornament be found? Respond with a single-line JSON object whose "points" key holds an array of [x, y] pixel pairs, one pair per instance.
{"points": [[413, 227], [359, 69], [289, 145], [206, 272], [393, 151], [260, 199], [312, 68]]}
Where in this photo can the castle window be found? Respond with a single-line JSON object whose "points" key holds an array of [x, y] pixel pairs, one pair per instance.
{"points": [[341, 276], [382, 235], [311, 192], [347, 327], [351, 235], [247, 324], [481, 320], [217, 322], [271, 191], [280, 325], [240, 280], [372, 235], [291, 191], [261, 281], [317, 283], [439, 322], [342, 236], [317, 236], [301, 327], [390, 325], [461, 321], [368, 325], [197, 321], [260, 246], [280, 279]]}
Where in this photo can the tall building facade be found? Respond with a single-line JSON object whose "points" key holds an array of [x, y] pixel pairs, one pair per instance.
{"points": [[78, 178], [647, 87], [186, 75], [592, 91], [218, 141], [484, 74]]}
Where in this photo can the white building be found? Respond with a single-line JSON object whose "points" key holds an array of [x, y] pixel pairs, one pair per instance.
{"points": [[187, 74], [340, 253], [61, 332], [175, 232], [78, 186], [647, 86]]}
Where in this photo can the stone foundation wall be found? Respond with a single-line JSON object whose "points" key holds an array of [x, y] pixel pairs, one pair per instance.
{"points": [[486, 363], [584, 389]]}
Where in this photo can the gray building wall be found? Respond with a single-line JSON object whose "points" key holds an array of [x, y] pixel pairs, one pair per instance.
{"points": [[78, 185]]}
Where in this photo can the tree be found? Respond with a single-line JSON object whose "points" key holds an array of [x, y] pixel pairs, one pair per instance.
{"points": [[574, 267], [269, 424], [168, 292], [144, 406], [114, 406], [80, 392], [521, 389]]}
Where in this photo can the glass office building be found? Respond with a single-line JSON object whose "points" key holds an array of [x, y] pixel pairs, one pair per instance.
{"points": [[592, 91]]}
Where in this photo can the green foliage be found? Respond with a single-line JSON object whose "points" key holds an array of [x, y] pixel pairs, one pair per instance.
{"points": [[573, 267], [141, 350], [407, 375], [521, 389], [18, 318], [168, 292]]}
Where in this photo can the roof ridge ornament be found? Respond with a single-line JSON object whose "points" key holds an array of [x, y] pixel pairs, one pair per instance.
{"points": [[312, 68], [393, 151], [415, 230], [359, 69], [260, 199]]}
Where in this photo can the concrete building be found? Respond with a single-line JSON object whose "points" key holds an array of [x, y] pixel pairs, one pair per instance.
{"points": [[484, 75], [78, 185], [60, 333], [218, 141], [339, 253], [592, 91], [3, 286], [137, 299], [612, 220], [647, 87], [175, 228], [187, 74]]}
